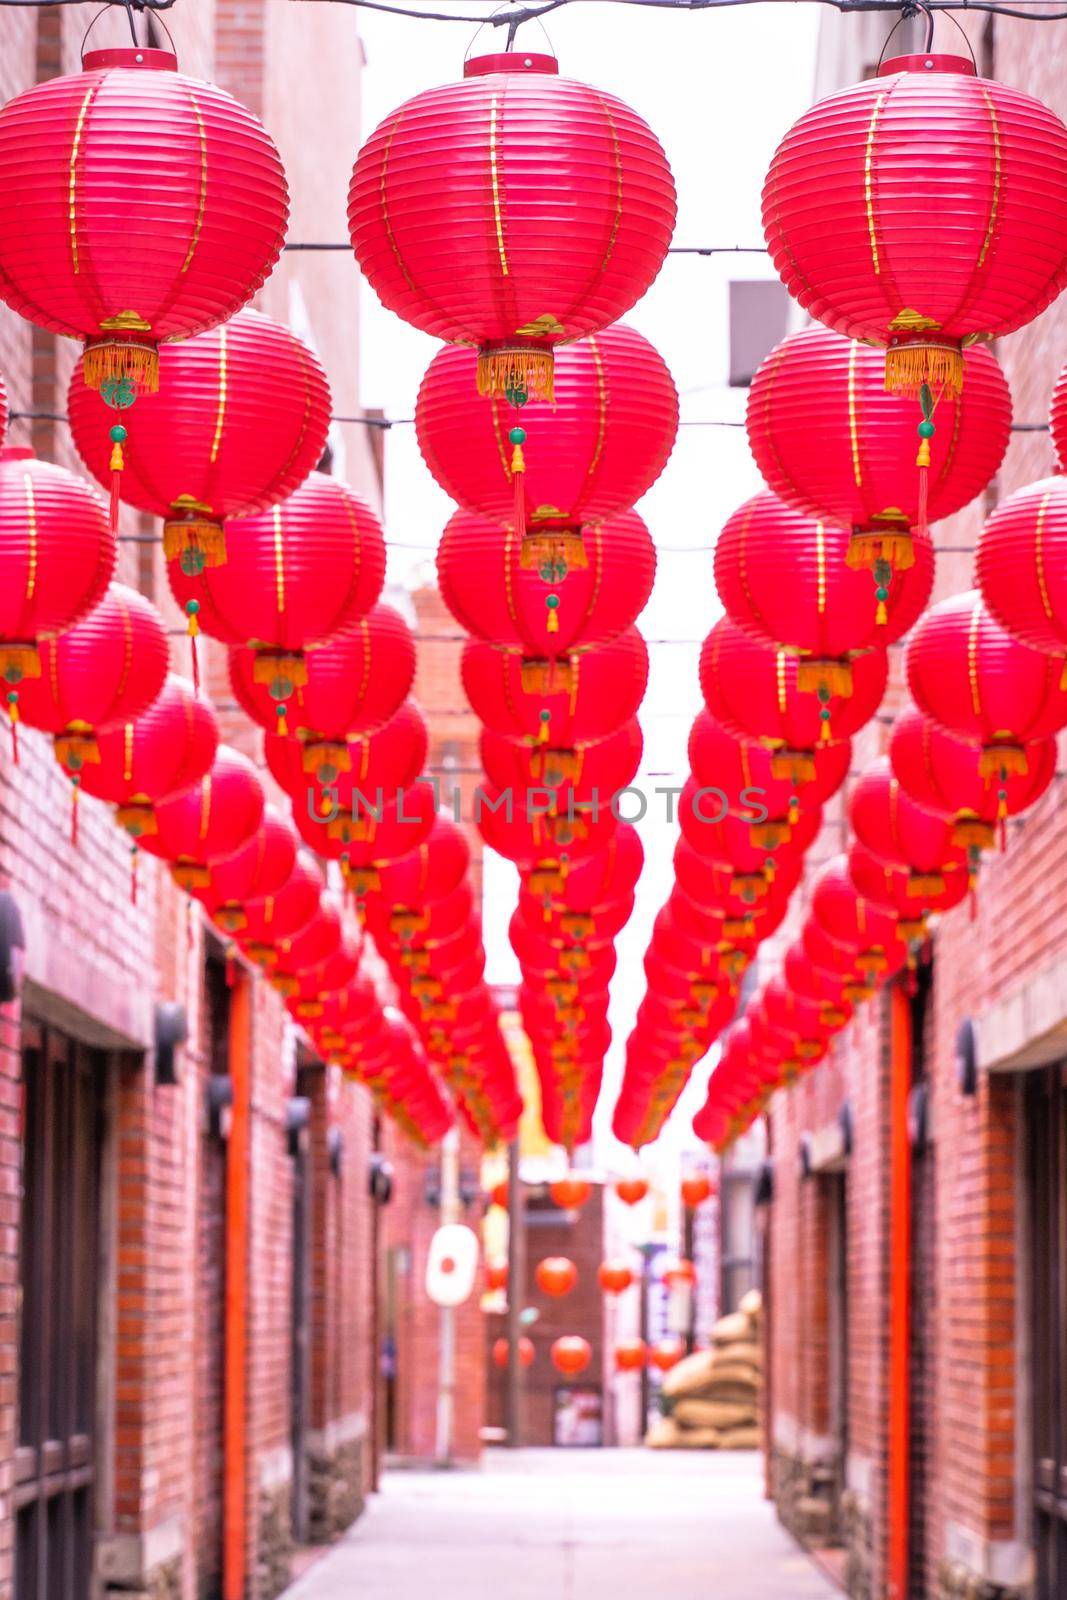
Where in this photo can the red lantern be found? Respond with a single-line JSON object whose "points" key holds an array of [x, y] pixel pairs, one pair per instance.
{"points": [[501, 1352], [884, 238], [240, 420], [630, 1355], [309, 950], [571, 1355], [496, 1276], [257, 872], [530, 833], [426, 875], [743, 771], [564, 702], [680, 1275], [755, 848], [754, 691], [367, 834], [825, 989], [57, 555], [601, 770], [274, 919], [980, 684], [597, 449], [306, 1000], [555, 606], [389, 759], [299, 572], [696, 1188], [126, 264], [210, 822], [614, 1277], [167, 750], [863, 475], [569, 1193], [355, 683], [888, 822], [785, 578], [498, 1194], [1020, 561], [556, 1276], [106, 669], [942, 775], [897, 889], [866, 931], [555, 199], [665, 1354], [631, 1191]]}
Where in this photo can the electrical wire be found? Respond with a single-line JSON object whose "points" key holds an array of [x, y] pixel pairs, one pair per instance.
{"points": [[513, 20]]}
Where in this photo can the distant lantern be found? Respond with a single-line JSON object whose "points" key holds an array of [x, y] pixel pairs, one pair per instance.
{"points": [[630, 1355], [665, 1354], [556, 1276], [501, 1352], [570, 1193], [614, 1277], [571, 1355], [631, 1191], [696, 1188]]}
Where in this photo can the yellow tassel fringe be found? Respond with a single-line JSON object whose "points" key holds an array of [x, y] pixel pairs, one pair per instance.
{"points": [[18, 661], [107, 360], [518, 368], [814, 674], [998, 758], [911, 364], [197, 536], [552, 549], [867, 547]]}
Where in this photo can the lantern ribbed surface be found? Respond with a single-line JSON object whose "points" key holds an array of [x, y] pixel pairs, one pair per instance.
{"points": [[943, 775], [565, 702], [390, 758], [784, 577], [272, 920], [968, 674], [885, 883], [95, 249], [861, 927], [240, 420], [919, 208], [597, 770], [258, 870], [167, 750], [370, 832], [210, 822], [514, 210], [57, 555], [356, 682], [743, 770], [889, 823], [737, 838], [591, 454], [1021, 565], [435, 870], [863, 471], [609, 873], [527, 833], [551, 609]]}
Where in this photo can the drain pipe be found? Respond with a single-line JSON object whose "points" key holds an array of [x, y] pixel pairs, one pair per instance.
{"points": [[899, 1488], [234, 1505]]}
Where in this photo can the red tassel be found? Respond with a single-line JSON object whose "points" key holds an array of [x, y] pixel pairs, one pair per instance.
{"points": [[922, 462], [133, 875], [13, 715], [75, 783]]}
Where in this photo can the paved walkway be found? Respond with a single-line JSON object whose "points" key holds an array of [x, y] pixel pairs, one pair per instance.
{"points": [[571, 1525]]}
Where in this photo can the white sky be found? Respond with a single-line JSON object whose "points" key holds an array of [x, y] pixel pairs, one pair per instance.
{"points": [[719, 88]]}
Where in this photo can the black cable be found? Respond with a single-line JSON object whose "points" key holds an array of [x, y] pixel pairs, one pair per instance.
{"points": [[513, 20]]}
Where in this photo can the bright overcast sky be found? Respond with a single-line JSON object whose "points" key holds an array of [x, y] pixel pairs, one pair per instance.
{"points": [[719, 88]]}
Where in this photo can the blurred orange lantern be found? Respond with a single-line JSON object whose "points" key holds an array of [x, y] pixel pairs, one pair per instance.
{"points": [[696, 1188], [666, 1354], [570, 1192], [614, 1276], [498, 1194], [680, 1274], [571, 1355], [630, 1355], [526, 1352], [496, 1275], [556, 1276], [631, 1191]]}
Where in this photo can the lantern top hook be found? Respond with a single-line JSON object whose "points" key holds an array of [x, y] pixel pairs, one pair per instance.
{"points": [[512, 17]]}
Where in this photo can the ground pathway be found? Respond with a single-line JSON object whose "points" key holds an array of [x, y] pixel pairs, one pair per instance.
{"points": [[571, 1525]]}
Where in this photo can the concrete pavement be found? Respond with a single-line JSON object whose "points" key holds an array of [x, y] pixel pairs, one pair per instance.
{"points": [[571, 1525]]}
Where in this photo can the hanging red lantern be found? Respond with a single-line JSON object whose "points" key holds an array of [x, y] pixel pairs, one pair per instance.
{"points": [[306, 1000], [240, 420], [570, 1193], [552, 608], [748, 843], [630, 1355], [496, 1276], [390, 758], [126, 264], [631, 1191], [167, 750], [556, 1276], [754, 691], [665, 1354], [271, 920], [887, 821], [57, 555], [430, 873], [367, 834], [309, 950], [602, 770], [1020, 561], [258, 871], [869, 933], [571, 1355], [210, 822], [567, 701], [501, 1352], [696, 1188], [863, 475], [785, 578], [597, 449], [555, 198], [355, 683], [826, 990], [968, 674], [883, 238], [942, 775], [105, 670], [614, 1277], [526, 832], [897, 889], [743, 771], [498, 1194]]}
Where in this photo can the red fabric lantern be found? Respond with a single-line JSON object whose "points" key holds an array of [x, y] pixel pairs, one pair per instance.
{"points": [[368, 833], [614, 1277], [571, 1355], [754, 691], [894, 887], [529, 833], [743, 771], [863, 474], [299, 572], [784, 577], [942, 775], [599, 770], [556, 1276], [434, 871], [307, 1001], [980, 684], [631, 1191], [753, 847], [210, 822], [389, 759], [1020, 562], [552, 608], [554, 199], [696, 1188], [630, 1355], [665, 1354], [106, 669], [887, 821], [564, 702], [273, 919], [501, 1352], [255, 874], [167, 750], [569, 1193], [127, 262], [868, 932], [595, 451], [824, 989], [355, 683], [309, 950], [600, 879], [890, 239], [240, 420], [57, 555]]}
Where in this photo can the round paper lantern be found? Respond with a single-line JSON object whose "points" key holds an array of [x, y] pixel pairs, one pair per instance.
{"points": [[496, 1276], [306, 1000], [240, 420], [869, 933], [680, 1274], [665, 1354], [501, 1352], [863, 474], [105, 670], [310, 949], [902, 243], [571, 1355], [599, 771], [123, 257], [825, 989], [57, 555], [553, 607], [594, 452], [428, 874], [368, 833], [897, 889], [1020, 559], [279, 916], [614, 1276], [564, 702], [300, 571], [755, 692], [630, 1355], [167, 750], [354, 684], [696, 1188], [784, 577], [556, 1276], [742, 771], [569, 1193], [968, 674], [553, 200], [533, 835], [719, 836], [498, 1194], [389, 759], [255, 874], [887, 821], [942, 775], [210, 822], [631, 1191]]}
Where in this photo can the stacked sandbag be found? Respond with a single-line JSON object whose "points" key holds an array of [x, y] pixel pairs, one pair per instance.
{"points": [[711, 1399]]}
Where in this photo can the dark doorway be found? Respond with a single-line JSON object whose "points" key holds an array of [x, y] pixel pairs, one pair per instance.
{"points": [[922, 1300], [836, 1191], [59, 1272], [1046, 1096], [211, 1288], [308, 1082]]}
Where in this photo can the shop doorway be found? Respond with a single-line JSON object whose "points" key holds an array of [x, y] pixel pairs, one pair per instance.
{"points": [[1046, 1097]]}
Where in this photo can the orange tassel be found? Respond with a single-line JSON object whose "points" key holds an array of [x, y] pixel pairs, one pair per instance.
{"points": [[552, 603], [922, 462], [117, 464], [517, 437]]}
